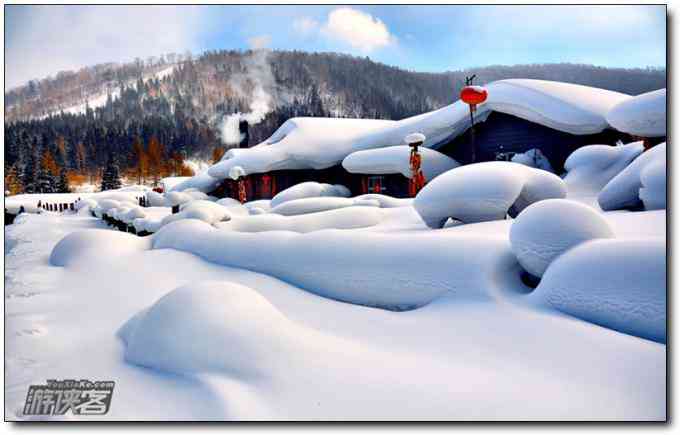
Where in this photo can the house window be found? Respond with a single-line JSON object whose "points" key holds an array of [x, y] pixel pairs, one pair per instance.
{"points": [[376, 184]]}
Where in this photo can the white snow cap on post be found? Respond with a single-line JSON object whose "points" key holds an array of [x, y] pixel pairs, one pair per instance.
{"points": [[236, 172], [414, 138], [644, 115]]}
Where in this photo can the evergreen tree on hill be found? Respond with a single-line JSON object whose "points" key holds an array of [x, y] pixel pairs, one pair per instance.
{"points": [[62, 182], [111, 177]]}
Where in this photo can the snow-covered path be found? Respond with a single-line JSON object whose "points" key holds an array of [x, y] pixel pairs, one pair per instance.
{"points": [[456, 358]]}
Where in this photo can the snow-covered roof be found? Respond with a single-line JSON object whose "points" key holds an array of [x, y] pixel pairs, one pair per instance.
{"points": [[644, 115], [318, 143], [395, 160], [300, 143]]}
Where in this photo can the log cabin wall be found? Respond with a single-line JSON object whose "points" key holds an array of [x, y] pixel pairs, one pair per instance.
{"points": [[506, 133]]}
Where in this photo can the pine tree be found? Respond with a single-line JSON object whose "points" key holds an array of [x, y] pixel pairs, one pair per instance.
{"points": [[111, 177], [44, 181], [142, 167], [62, 183], [156, 153], [13, 182], [217, 154], [30, 174]]}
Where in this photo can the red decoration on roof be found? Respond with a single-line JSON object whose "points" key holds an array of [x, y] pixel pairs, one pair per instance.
{"points": [[473, 95]]}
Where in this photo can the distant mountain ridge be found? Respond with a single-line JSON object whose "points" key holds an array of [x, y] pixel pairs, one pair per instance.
{"points": [[185, 102], [348, 86]]}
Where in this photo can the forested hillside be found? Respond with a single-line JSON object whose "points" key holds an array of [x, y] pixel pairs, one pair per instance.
{"points": [[177, 104]]}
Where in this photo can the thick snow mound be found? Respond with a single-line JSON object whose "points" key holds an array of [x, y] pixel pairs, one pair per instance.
{"points": [[385, 201], [653, 190], [547, 229], [155, 199], [373, 269], [151, 222], [345, 218], [208, 327], [591, 167], [202, 182], [618, 284], [309, 189], [314, 205], [262, 204], [176, 198], [395, 160], [644, 115], [206, 211], [87, 245], [534, 158], [623, 191], [484, 192]]}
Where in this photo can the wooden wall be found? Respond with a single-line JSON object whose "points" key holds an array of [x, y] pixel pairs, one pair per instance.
{"points": [[518, 135]]}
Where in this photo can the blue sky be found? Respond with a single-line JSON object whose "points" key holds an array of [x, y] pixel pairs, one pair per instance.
{"points": [[42, 40]]}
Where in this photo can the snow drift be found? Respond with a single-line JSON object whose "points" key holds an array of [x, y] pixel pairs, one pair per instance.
{"points": [[618, 284], [88, 245], [591, 167], [623, 191], [342, 218], [309, 189], [209, 327], [378, 270], [314, 205], [547, 229], [485, 192], [644, 115]]}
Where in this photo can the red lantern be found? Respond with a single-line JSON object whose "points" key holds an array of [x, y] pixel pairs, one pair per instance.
{"points": [[473, 95]]}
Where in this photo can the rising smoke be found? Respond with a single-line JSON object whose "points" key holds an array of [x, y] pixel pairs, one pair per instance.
{"points": [[254, 84]]}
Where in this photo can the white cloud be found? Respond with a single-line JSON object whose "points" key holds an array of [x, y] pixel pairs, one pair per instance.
{"points": [[259, 42], [58, 38], [360, 30], [305, 26]]}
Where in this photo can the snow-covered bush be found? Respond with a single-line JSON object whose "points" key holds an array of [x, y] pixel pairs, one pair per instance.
{"points": [[618, 284], [547, 229], [534, 158], [206, 211], [643, 115], [623, 191], [309, 189], [207, 327], [591, 167], [176, 198], [154, 199], [653, 190], [484, 192]]}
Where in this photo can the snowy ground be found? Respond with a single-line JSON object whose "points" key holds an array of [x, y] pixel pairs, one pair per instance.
{"points": [[275, 351]]}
